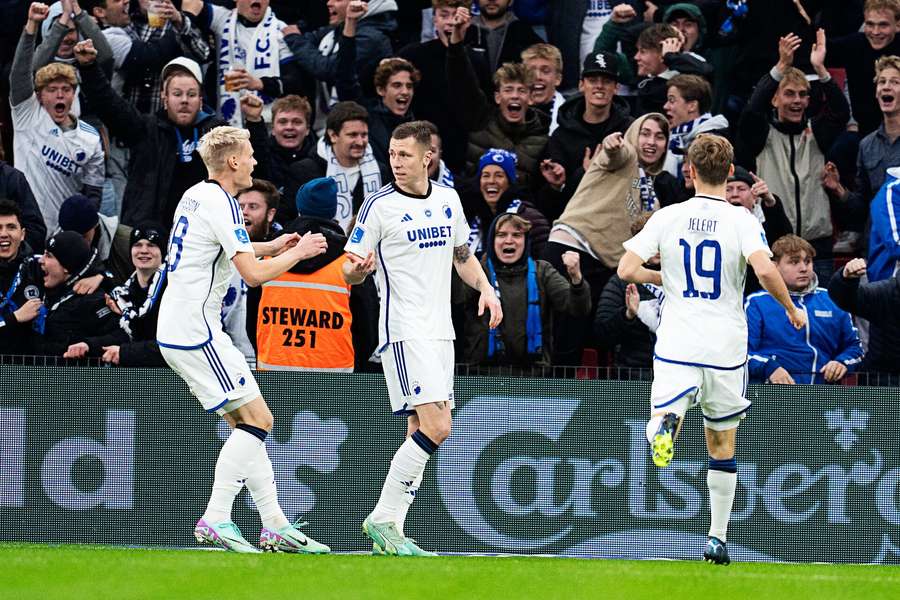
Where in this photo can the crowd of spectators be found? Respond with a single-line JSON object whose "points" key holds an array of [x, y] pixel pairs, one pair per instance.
{"points": [[562, 124]]}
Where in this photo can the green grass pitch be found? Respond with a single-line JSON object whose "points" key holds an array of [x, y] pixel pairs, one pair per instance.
{"points": [[74, 572]]}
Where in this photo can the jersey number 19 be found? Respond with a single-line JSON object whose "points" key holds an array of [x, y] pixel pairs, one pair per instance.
{"points": [[693, 267]]}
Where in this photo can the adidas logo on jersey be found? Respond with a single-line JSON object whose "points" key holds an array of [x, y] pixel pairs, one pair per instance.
{"points": [[406, 218]]}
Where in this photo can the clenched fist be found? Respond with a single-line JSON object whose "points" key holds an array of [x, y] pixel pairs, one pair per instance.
{"points": [[572, 260]]}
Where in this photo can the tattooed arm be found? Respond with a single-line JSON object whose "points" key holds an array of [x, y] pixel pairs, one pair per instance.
{"points": [[470, 271]]}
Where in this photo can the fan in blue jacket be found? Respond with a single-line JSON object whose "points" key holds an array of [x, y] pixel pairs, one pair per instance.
{"points": [[822, 352], [884, 237]]}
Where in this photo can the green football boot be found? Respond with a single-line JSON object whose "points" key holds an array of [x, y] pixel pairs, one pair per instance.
{"points": [[386, 537], [663, 444], [290, 539]]}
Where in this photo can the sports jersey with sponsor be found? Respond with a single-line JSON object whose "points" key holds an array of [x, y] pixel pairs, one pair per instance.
{"points": [[413, 238], [208, 231], [56, 162], [703, 244]]}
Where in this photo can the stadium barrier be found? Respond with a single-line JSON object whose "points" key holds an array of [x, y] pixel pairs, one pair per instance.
{"points": [[118, 456]]}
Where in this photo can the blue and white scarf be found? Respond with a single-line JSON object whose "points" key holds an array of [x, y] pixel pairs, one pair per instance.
{"points": [[649, 202], [122, 297], [348, 178], [680, 136], [533, 326], [262, 61], [445, 177]]}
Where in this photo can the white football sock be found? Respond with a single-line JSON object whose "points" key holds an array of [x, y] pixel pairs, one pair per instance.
{"points": [[407, 502], [722, 486], [235, 458], [653, 426], [406, 467], [261, 483]]}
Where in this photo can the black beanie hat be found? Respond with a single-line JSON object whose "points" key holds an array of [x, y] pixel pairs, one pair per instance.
{"points": [[741, 174], [151, 232], [78, 213], [72, 251]]}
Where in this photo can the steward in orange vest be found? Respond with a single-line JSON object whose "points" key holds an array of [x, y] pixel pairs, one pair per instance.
{"points": [[304, 318], [304, 322]]}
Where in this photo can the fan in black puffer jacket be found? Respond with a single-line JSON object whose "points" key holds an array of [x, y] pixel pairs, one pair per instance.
{"points": [[615, 330], [70, 325], [138, 303], [164, 161], [877, 302]]}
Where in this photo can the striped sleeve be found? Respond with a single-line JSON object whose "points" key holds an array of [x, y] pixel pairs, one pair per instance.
{"points": [[367, 232], [227, 223]]}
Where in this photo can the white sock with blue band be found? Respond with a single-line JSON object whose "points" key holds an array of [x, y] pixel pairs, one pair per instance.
{"points": [[406, 469], [721, 479]]}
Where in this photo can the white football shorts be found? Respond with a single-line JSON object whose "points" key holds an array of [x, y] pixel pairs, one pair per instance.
{"points": [[216, 372], [719, 392], [418, 372]]}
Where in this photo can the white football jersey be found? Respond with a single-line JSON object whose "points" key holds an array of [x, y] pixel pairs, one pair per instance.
{"points": [[413, 238], [703, 244], [208, 231], [57, 163]]}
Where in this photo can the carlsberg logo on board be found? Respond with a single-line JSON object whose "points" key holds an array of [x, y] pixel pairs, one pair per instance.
{"points": [[531, 474]]}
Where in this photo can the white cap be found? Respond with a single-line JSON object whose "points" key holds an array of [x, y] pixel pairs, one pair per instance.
{"points": [[182, 63]]}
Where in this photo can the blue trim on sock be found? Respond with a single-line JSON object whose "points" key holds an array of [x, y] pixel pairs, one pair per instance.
{"points": [[729, 465], [424, 442], [256, 432]]}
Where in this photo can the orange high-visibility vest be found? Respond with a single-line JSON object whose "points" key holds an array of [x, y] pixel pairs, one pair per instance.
{"points": [[304, 322]]}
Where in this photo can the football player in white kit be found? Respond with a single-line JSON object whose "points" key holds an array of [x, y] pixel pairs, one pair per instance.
{"points": [[700, 356], [208, 241], [412, 232]]}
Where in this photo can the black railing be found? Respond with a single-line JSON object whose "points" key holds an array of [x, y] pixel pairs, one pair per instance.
{"points": [[464, 370]]}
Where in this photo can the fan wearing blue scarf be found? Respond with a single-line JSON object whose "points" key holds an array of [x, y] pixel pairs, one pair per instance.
{"points": [[531, 290]]}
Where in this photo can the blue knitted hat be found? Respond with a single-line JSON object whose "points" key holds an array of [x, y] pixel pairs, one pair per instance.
{"points": [[318, 198], [504, 159]]}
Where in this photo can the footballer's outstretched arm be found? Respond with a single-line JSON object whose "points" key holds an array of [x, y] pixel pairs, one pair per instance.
{"points": [[469, 270], [276, 246], [631, 269], [771, 280], [257, 272]]}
